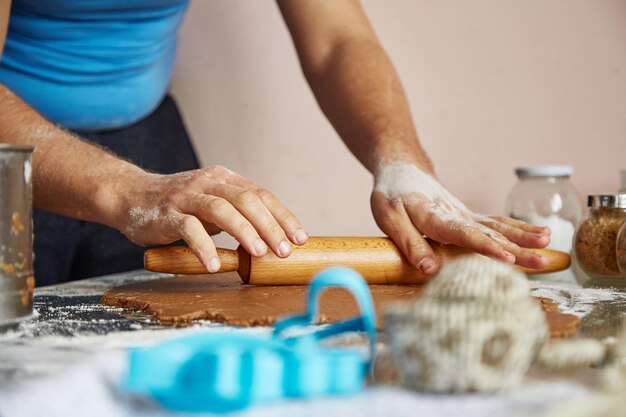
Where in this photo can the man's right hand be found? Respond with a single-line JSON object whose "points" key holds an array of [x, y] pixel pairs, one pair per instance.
{"points": [[159, 209], [410, 204]]}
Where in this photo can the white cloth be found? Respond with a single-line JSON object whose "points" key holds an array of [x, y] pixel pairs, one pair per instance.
{"points": [[89, 389]]}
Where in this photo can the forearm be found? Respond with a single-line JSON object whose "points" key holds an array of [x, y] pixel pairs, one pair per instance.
{"points": [[360, 93], [80, 180], [70, 177], [5, 10]]}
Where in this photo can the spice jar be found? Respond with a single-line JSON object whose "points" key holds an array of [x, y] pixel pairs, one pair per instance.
{"points": [[595, 243], [545, 196]]}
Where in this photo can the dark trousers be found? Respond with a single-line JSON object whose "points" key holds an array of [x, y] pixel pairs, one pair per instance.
{"points": [[68, 249]]}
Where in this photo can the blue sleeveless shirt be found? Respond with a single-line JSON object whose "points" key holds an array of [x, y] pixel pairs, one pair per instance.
{"points": [[91, 64]]}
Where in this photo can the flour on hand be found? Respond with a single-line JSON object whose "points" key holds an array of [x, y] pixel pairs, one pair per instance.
{"points": [[406, 183]]}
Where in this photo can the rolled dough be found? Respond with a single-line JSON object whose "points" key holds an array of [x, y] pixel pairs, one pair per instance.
{"points": [[222, 298]]}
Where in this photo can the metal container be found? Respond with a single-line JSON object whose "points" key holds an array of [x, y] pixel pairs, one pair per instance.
{"points": [[16, 236]]}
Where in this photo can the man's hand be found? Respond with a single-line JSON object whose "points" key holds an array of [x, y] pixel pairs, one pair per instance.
{"points": [[409, 204], [159, 209], [77, 179]]}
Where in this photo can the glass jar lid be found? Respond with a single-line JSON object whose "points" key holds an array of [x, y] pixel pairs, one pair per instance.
{"points": [[606, 201], [544, 171]]}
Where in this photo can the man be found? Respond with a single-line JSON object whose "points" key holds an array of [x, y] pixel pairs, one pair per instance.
{"points": [[102, 69]]}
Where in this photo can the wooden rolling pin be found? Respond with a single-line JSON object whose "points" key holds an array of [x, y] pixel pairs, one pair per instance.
{"points": [[376, 258]]}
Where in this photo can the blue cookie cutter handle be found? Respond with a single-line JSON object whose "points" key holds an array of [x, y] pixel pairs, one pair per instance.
{"points": [[344, 278], [229, 370]]}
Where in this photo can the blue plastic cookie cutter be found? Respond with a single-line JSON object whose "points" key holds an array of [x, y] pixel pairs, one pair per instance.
{"points": [[229, 370]]}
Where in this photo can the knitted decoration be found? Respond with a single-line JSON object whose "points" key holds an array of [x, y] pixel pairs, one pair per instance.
{"points": [[476, 328]]}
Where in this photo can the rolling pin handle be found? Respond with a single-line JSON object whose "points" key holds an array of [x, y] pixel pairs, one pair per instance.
{"points": [[182, 260]]}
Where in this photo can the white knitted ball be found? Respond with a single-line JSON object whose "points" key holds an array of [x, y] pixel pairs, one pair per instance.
{"points": [[478, 277], [475, 328]]}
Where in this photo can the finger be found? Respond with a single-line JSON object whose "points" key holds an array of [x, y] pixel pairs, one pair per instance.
{"points": [[287, 220], [523, 257], [474, 238], [251, 207], [192, 231], [527, 227], [519, 236], [456, 229], [470, 236], [392, 219], [222, 214]]}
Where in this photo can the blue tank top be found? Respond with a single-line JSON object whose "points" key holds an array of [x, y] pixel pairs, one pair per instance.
{"points": [[91, 64]]}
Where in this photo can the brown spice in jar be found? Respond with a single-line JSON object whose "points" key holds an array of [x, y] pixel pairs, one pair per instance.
{"points": [[595, 243], [621, 249]]}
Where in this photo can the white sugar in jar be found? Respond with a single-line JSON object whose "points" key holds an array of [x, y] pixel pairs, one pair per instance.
{"points": [[545, 196]]}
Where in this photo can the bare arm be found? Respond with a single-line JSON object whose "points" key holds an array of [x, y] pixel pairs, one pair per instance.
{"points": [[71, 177], [59, 157], [354, 81], [5, 9], [359, 91], [77, 179]]}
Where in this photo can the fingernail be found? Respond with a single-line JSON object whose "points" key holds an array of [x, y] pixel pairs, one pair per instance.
{"points": [[510, 257], [428, 265], [259, 247], [214, 264], [301, 236], [284, 248]]}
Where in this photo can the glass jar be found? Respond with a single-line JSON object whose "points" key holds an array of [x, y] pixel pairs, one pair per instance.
{"points": [[596, 242], [545, 196], [16, 236]]}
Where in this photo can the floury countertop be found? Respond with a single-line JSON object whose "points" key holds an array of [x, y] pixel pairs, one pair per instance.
{"points": [[69, 360]]}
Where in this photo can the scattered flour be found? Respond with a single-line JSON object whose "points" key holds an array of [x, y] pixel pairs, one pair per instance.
{"points": [[573, 298]]}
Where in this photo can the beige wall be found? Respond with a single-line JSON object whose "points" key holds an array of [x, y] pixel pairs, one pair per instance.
{"points": [[493, 85]]}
